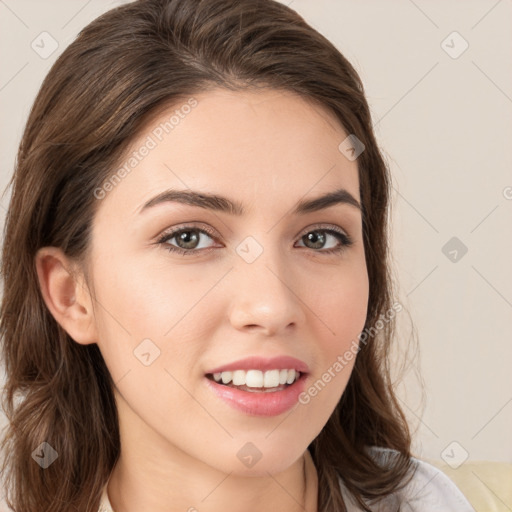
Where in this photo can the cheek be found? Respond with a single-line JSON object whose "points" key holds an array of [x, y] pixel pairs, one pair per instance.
{"points": [[341, 303], [140, 300], [152, 329], [340, 310], [146, 296]]}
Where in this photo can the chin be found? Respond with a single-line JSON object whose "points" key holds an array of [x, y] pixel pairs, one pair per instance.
{"points": [[261, 465]]}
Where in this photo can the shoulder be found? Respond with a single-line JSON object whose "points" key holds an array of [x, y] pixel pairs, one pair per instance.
{"points": [[431, 489], [428, 489]]}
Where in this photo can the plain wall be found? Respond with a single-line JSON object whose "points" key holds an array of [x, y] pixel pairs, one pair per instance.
{"points": [[444, 123]]}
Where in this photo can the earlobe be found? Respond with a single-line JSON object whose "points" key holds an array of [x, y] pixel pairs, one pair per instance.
{"points": [[66, 295]]}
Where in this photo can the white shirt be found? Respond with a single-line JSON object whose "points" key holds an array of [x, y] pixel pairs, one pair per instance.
{"points": [[429, 490]]}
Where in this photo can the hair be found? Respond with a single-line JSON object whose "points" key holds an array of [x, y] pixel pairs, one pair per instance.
{"points": [[124, 68]]}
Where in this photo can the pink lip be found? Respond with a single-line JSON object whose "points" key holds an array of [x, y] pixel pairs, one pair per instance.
{"points": [[259, 403], [262, 363]]}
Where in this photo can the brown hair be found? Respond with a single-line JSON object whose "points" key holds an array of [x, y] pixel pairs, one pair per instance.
{"points": [[124, 67]]}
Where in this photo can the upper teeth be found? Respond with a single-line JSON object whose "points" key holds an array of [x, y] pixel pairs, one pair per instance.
{"points": [[257, 378]]}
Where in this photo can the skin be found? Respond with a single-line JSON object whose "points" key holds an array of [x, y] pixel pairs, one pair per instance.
{"points": [[266, 149]]}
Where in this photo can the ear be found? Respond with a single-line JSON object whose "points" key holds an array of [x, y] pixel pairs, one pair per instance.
{"points": [[66, 294]]}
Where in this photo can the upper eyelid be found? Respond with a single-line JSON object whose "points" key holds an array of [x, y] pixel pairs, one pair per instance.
{"points": [[210, 231], [186, 227]]}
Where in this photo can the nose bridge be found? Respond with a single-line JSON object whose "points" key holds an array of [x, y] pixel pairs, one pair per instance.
{"points": [[264, 291]]}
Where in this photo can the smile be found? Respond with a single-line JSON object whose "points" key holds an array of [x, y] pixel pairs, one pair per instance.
{"points": [[258, 400]]}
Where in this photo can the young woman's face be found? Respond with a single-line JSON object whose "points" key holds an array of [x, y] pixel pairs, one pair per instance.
{"points": [[172, 307]]}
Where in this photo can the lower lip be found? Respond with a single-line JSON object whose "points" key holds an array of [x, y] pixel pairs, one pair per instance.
{"points": [[260, 403]]}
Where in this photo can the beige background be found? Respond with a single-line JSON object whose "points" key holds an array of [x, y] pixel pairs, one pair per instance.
{"points": [[444, 123]]}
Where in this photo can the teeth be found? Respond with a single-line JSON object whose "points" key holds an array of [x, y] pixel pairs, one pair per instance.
{"points": [[257, 378], [238, 378], [270, 379], [291, 377], [253, 379], [225, 376]]}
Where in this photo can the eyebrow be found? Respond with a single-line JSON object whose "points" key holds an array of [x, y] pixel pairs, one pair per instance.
{"points": [[223, 204]]}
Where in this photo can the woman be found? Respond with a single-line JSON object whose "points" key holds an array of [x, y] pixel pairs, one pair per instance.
{"points": [[197, 305]]}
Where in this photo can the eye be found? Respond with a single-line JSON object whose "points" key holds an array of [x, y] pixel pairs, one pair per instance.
{"points": [[188, 240], [319, 237]]}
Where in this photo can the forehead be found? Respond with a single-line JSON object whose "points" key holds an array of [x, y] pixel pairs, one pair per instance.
{"points": [[258, 143]]}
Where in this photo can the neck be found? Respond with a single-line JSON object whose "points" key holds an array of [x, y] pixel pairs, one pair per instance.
{"points": [[131, 491]]}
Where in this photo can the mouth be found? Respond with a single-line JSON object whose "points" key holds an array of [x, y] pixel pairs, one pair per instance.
{"points": [[244, 391], [256, 381]]}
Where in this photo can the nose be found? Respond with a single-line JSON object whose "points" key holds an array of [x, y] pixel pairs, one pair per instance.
{"points": [[266, 296]]}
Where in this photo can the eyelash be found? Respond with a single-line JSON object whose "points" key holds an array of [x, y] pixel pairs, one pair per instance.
{"points": [[345, 240]]}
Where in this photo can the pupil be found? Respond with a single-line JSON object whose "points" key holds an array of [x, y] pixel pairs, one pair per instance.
{"points": [[314, 237], [184, 237]]}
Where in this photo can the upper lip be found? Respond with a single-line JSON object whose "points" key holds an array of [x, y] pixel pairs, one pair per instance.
{"points": [[263, 363]]}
